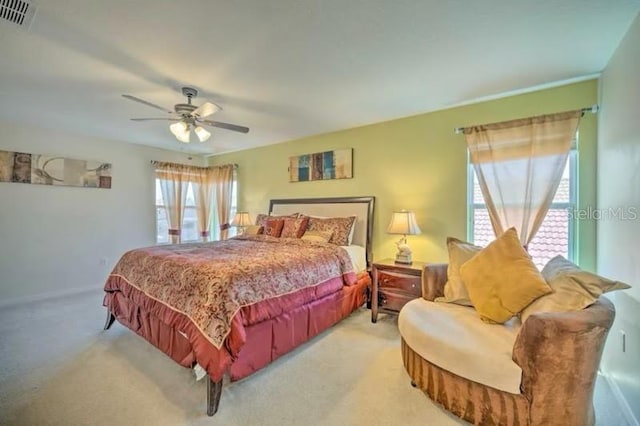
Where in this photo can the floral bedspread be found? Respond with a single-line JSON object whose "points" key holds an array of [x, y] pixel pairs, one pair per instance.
{"points": [[210, 282]]}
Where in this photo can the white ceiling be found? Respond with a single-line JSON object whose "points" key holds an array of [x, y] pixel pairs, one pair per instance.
{"points": [[289, 68]]}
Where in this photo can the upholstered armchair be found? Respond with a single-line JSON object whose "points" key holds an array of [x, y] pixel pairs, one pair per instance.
{"points": [[558, 354]]}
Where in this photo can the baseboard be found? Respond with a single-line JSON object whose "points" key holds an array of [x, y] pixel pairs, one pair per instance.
{"points": [[17, 301], [622, 401]]}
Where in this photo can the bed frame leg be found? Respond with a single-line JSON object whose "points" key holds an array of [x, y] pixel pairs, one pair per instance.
{"points": [[214, 390], [110, 319]]}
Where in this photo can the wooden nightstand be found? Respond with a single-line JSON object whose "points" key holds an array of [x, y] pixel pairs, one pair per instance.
{"points": [[393, 285]]}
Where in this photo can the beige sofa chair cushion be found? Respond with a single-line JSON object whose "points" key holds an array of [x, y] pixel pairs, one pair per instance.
{"points": [[453, 338]]}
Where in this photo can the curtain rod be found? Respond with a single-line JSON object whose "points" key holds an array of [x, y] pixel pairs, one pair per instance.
{"points": [[155, 162], [592, 109]]}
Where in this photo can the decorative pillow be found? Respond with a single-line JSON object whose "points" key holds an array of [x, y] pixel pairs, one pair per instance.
{"points": [[253, 230], [294, 228], [502, 280], [260, 218], [459, 253], [351, 233], [340, 226], [273, 227], [322, 236], [573, 288]]}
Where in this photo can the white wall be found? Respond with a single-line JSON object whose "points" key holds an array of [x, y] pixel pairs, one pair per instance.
{"points": [[54, 239], [619, 187]]}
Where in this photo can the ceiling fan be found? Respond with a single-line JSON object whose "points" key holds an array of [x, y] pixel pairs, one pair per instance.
{"points": [[189, 117]]}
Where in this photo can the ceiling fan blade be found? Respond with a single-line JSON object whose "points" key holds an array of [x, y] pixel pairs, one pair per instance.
{"points": [[151, 119], [142, 101], [206, 109], [227, 126]]}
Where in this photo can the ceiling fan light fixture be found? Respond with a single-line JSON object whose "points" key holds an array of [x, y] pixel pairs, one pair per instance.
{"points": [[187, 116], [202, 133], [181, 131]]}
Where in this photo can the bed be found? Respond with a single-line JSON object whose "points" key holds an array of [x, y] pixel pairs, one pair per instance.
{"points": [[232, 307]]}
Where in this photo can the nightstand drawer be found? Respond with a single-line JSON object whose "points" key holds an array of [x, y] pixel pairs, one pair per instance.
{"points": [[394, 299], [393, 285], [410, 283]]}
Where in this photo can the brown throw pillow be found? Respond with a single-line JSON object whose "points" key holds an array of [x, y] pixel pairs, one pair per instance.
{"points": [[260, 218], [294, 227], [273, 227], [340, 226]]}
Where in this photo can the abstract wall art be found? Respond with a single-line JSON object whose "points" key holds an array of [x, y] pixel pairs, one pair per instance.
{"points": [[336, 164], [22, 167]]}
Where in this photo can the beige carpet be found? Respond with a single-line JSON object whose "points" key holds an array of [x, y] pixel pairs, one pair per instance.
{"points": [[59, 368]]}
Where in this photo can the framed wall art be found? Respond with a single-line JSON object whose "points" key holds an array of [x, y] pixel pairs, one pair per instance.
{"points": [[21, 167], [337, 164]]}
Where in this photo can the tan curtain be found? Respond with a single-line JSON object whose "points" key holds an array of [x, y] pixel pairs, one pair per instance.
{"points": [[203, 190], [223, 184], [173, 180], [519, 166]]}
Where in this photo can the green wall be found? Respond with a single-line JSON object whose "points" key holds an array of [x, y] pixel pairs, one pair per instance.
{"points": [[416, 163]]}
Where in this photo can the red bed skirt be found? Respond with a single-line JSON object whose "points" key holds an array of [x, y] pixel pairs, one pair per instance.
{"points": [[288, 322]]}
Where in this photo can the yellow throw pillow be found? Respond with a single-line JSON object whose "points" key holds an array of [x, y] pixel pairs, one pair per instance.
{"points": [[502, 280], [321, 236], [459, 253], [253, 230], [573, 288]]}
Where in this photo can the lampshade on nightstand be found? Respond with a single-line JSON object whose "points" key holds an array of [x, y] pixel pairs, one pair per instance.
{"points": [[403, 222], [241, 220]]}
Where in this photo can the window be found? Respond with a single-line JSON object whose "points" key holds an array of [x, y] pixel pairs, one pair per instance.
{"points": [[555, 236], [190, 229]]}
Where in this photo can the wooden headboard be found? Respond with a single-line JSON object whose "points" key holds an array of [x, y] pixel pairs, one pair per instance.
{"points": [[361, 207]]}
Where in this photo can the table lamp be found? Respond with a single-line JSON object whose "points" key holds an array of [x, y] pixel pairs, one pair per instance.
{"points": [[403, 222], [241, 220]]}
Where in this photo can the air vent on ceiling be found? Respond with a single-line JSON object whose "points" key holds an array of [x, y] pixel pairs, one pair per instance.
{"points": [[19, 12]]}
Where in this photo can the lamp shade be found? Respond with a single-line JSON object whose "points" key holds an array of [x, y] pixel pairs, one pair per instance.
{"points": [[241, 219], [403, 222], [181, 131], [202, 133]]}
